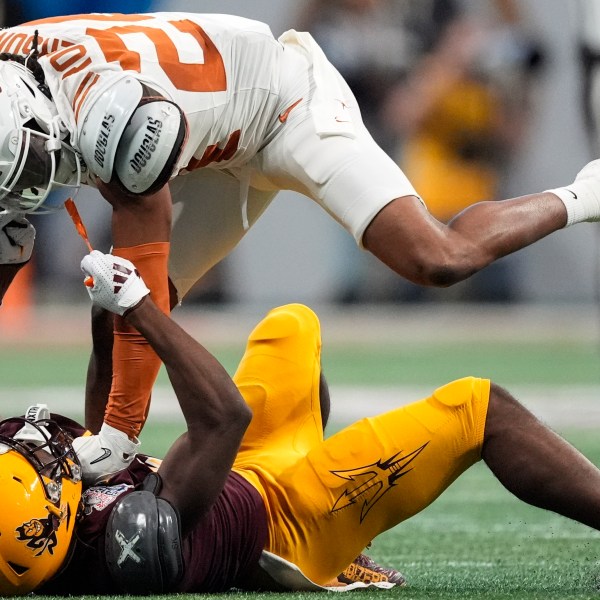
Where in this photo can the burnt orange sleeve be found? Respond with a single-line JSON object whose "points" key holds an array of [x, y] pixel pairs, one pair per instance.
{"points": [[135, 364]]}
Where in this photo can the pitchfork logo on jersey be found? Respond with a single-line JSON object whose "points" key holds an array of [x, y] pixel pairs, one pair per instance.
{"points": [[40, 534], [371, 482]]}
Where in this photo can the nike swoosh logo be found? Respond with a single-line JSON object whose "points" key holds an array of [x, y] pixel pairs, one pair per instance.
{"points": [[572, 192], [283, 117], [338, 120], [105, 454]]}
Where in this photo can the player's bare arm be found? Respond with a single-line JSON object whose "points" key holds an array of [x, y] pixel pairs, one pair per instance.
{"points": [[195, 468], [100, 370], [123, 367], [138, 219]]}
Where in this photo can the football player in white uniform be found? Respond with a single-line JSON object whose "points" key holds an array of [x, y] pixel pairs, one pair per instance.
{"points": [[190, 124]]}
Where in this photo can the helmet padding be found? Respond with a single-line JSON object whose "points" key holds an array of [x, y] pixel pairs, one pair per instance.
{"points": [[132, 136], [143, 544]]}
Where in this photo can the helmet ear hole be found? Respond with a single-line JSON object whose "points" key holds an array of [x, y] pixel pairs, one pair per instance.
{"points": [[18, 569]]}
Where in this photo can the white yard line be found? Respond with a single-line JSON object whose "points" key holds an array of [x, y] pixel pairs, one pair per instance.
{"points": [[559, 406]]}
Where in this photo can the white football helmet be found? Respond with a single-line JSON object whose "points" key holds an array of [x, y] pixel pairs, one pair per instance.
{"points": [[35, 160]]}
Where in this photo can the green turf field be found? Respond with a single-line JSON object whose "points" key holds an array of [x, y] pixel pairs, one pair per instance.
{"points": [[367, 363], [476, 541]]}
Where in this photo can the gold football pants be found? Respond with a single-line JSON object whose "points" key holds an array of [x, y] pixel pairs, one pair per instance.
{"points": [[327, 499]]}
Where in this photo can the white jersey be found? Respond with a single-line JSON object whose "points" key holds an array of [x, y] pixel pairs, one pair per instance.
{"points": [[264, 115], [221, 70]]}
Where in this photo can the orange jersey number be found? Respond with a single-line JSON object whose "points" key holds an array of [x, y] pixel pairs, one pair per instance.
{"points": [[208, 76]]}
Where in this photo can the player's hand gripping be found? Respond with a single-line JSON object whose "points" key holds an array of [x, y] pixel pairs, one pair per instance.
{"points": [[113, 282], [104, 454], [17, 236]]}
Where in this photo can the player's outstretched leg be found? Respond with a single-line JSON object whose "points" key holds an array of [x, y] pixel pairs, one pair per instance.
{"points": [[536, 464]]}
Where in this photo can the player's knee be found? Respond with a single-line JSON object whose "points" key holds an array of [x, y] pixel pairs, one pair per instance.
{"points": [[504, 411], [290, 320], [462, 391], [299, 312], [468, 397]]}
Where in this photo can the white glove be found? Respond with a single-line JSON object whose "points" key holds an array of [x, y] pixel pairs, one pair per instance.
{"points": [[104, 454], [115, 283], [17, 236], [582, 197]]}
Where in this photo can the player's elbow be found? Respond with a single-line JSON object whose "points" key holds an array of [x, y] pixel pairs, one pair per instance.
{"points": [[231, 411], [443, 275], [243, 413]]}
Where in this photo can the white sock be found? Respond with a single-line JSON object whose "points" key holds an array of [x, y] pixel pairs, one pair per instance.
{"points": [[582, 197]]}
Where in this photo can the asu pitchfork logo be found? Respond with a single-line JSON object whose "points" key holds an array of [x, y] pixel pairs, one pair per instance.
{"points": [[372, 482]]}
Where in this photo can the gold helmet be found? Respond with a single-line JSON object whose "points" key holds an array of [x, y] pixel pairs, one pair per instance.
{"points": [[40, 479]]}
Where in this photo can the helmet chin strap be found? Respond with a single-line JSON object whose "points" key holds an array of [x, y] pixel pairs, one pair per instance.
{"points": [[33, 55]]}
